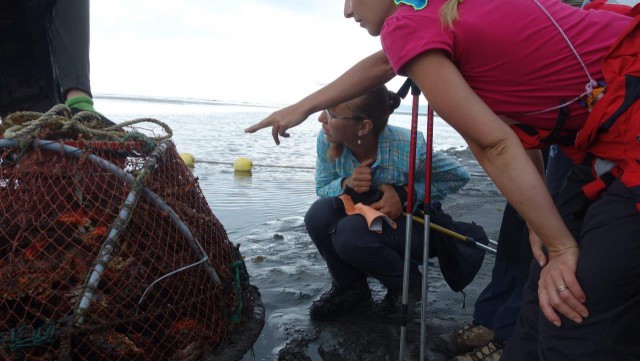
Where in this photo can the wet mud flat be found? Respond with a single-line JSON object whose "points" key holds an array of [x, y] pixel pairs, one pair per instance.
{"points": [[290, 281]]}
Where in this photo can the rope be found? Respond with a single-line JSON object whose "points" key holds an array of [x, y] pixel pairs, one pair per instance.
{"points": [[17, 338], [85, 123], [238, 266], [590, 85], [260, 165], [242, 281]]}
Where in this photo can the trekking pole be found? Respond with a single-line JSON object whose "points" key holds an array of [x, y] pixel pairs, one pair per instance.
{"points": [[407, 246], [461, 237], [427, 219]]}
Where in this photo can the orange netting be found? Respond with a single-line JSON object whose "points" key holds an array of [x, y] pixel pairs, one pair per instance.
{"points": [[109, 251]]}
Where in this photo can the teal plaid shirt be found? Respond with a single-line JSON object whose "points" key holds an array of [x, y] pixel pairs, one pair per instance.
{"points": [[391, 166]]}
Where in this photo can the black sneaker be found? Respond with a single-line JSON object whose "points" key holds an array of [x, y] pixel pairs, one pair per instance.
{"points": [[336, 301]]}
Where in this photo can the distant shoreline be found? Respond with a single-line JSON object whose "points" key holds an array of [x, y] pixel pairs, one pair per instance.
{"points": [[403, 109], [180, 100]]}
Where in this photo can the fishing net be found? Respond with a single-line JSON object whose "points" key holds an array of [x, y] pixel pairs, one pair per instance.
{"points": [[109, 250]]}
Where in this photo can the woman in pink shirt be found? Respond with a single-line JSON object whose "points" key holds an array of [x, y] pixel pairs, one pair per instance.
{"points": [[486, 65], [483, 65]]}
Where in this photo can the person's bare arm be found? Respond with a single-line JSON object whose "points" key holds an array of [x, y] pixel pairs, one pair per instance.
{"points": [[368, 73], [499, 151], [536, 243]]}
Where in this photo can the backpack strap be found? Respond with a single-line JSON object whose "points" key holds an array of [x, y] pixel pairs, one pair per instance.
{"points": [[535, 138]]}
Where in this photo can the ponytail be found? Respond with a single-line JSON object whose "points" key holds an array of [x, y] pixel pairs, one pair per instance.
{"points": [[449, 13], [394, 101]]}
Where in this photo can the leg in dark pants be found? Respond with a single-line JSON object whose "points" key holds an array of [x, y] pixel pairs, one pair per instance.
{"points": [[321, 221], [609, 273], [353, 252], [71, 44], [498, 305]]}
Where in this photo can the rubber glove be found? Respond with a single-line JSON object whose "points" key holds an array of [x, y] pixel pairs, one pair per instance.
{"points": [[83, 103]]}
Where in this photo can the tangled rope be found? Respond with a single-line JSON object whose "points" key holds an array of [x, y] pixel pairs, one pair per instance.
{"points": [[27, 125]]}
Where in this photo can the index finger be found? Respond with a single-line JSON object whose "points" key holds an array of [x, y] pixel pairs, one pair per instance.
{"points": [[260, 125]]}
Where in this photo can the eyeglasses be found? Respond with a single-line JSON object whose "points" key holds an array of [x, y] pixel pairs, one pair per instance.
{"points": [[330, 116]]}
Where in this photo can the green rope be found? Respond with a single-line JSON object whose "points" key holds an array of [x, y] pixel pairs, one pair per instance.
{"points": [[17, 338], [237, 266], [242, 281]]}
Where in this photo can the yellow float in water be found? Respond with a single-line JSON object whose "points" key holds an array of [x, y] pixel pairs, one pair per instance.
{"points": [[188, 159], [243, 164]]}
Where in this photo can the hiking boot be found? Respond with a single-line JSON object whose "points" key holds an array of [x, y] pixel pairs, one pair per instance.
{"points": [[463, 340], [336, 301], [391, 304], [490, 351]]}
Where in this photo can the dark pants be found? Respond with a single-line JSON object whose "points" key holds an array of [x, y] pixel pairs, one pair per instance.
{"points": [[44, 53], [27, 69], [499, 304], [71, 44], [353, 252], [608, 272]]}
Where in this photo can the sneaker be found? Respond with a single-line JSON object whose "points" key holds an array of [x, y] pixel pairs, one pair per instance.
{"points": [[490, 351], [391, 304], [463, 340], [336, 301]]}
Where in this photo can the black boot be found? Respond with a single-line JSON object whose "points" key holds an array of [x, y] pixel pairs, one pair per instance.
{"points": [[392, 302], [337, 301]]}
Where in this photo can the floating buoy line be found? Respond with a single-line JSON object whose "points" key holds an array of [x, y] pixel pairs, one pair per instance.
{"points": [[240, 164]]}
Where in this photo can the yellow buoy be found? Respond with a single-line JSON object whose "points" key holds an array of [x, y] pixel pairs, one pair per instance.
{"points": [[243, 164], [188, 159]]}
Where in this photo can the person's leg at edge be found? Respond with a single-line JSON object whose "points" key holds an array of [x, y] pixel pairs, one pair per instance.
{"points": [[321, 221], [71, 39], [609, 273], [379, 255], [349, 287], [498, 305]]}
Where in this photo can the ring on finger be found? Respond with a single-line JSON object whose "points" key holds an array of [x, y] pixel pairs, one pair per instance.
{"points": [[562, 288]]}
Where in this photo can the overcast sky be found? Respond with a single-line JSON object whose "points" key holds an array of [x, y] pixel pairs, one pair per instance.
{"points": [[266, 51]]}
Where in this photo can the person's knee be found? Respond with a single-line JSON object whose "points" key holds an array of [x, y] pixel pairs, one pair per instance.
{"points": [[350, 237], [319, 216]]}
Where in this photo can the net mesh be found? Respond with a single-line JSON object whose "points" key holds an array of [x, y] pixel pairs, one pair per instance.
{"points": [[120, 263]]}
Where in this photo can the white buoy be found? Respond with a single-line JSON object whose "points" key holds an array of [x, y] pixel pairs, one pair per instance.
{"points": [[188, 159], [242, 165]]}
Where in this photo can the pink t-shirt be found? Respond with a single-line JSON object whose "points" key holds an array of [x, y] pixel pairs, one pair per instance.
{"points": [[510, 52]]}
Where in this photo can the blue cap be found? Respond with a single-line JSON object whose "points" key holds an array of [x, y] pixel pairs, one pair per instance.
{"points": [[417, 4]]}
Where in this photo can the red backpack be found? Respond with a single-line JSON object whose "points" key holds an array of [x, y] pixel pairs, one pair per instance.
{"points": [[612, 130]]}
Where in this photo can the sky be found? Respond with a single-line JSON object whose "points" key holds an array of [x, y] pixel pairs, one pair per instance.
{"points": [[258, 51]]}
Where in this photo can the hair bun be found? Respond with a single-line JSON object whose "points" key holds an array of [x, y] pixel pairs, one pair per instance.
{"points": [[394, 101]]}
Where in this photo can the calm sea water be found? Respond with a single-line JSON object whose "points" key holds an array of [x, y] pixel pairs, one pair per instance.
{"points": [[282, 181], [262, 211]]}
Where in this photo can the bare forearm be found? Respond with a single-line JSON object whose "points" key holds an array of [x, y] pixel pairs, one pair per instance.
{"points": [[509, 166], [370, 72]]}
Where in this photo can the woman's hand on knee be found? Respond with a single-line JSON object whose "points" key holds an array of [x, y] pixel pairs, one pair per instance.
{"points": [[559, 290]]}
